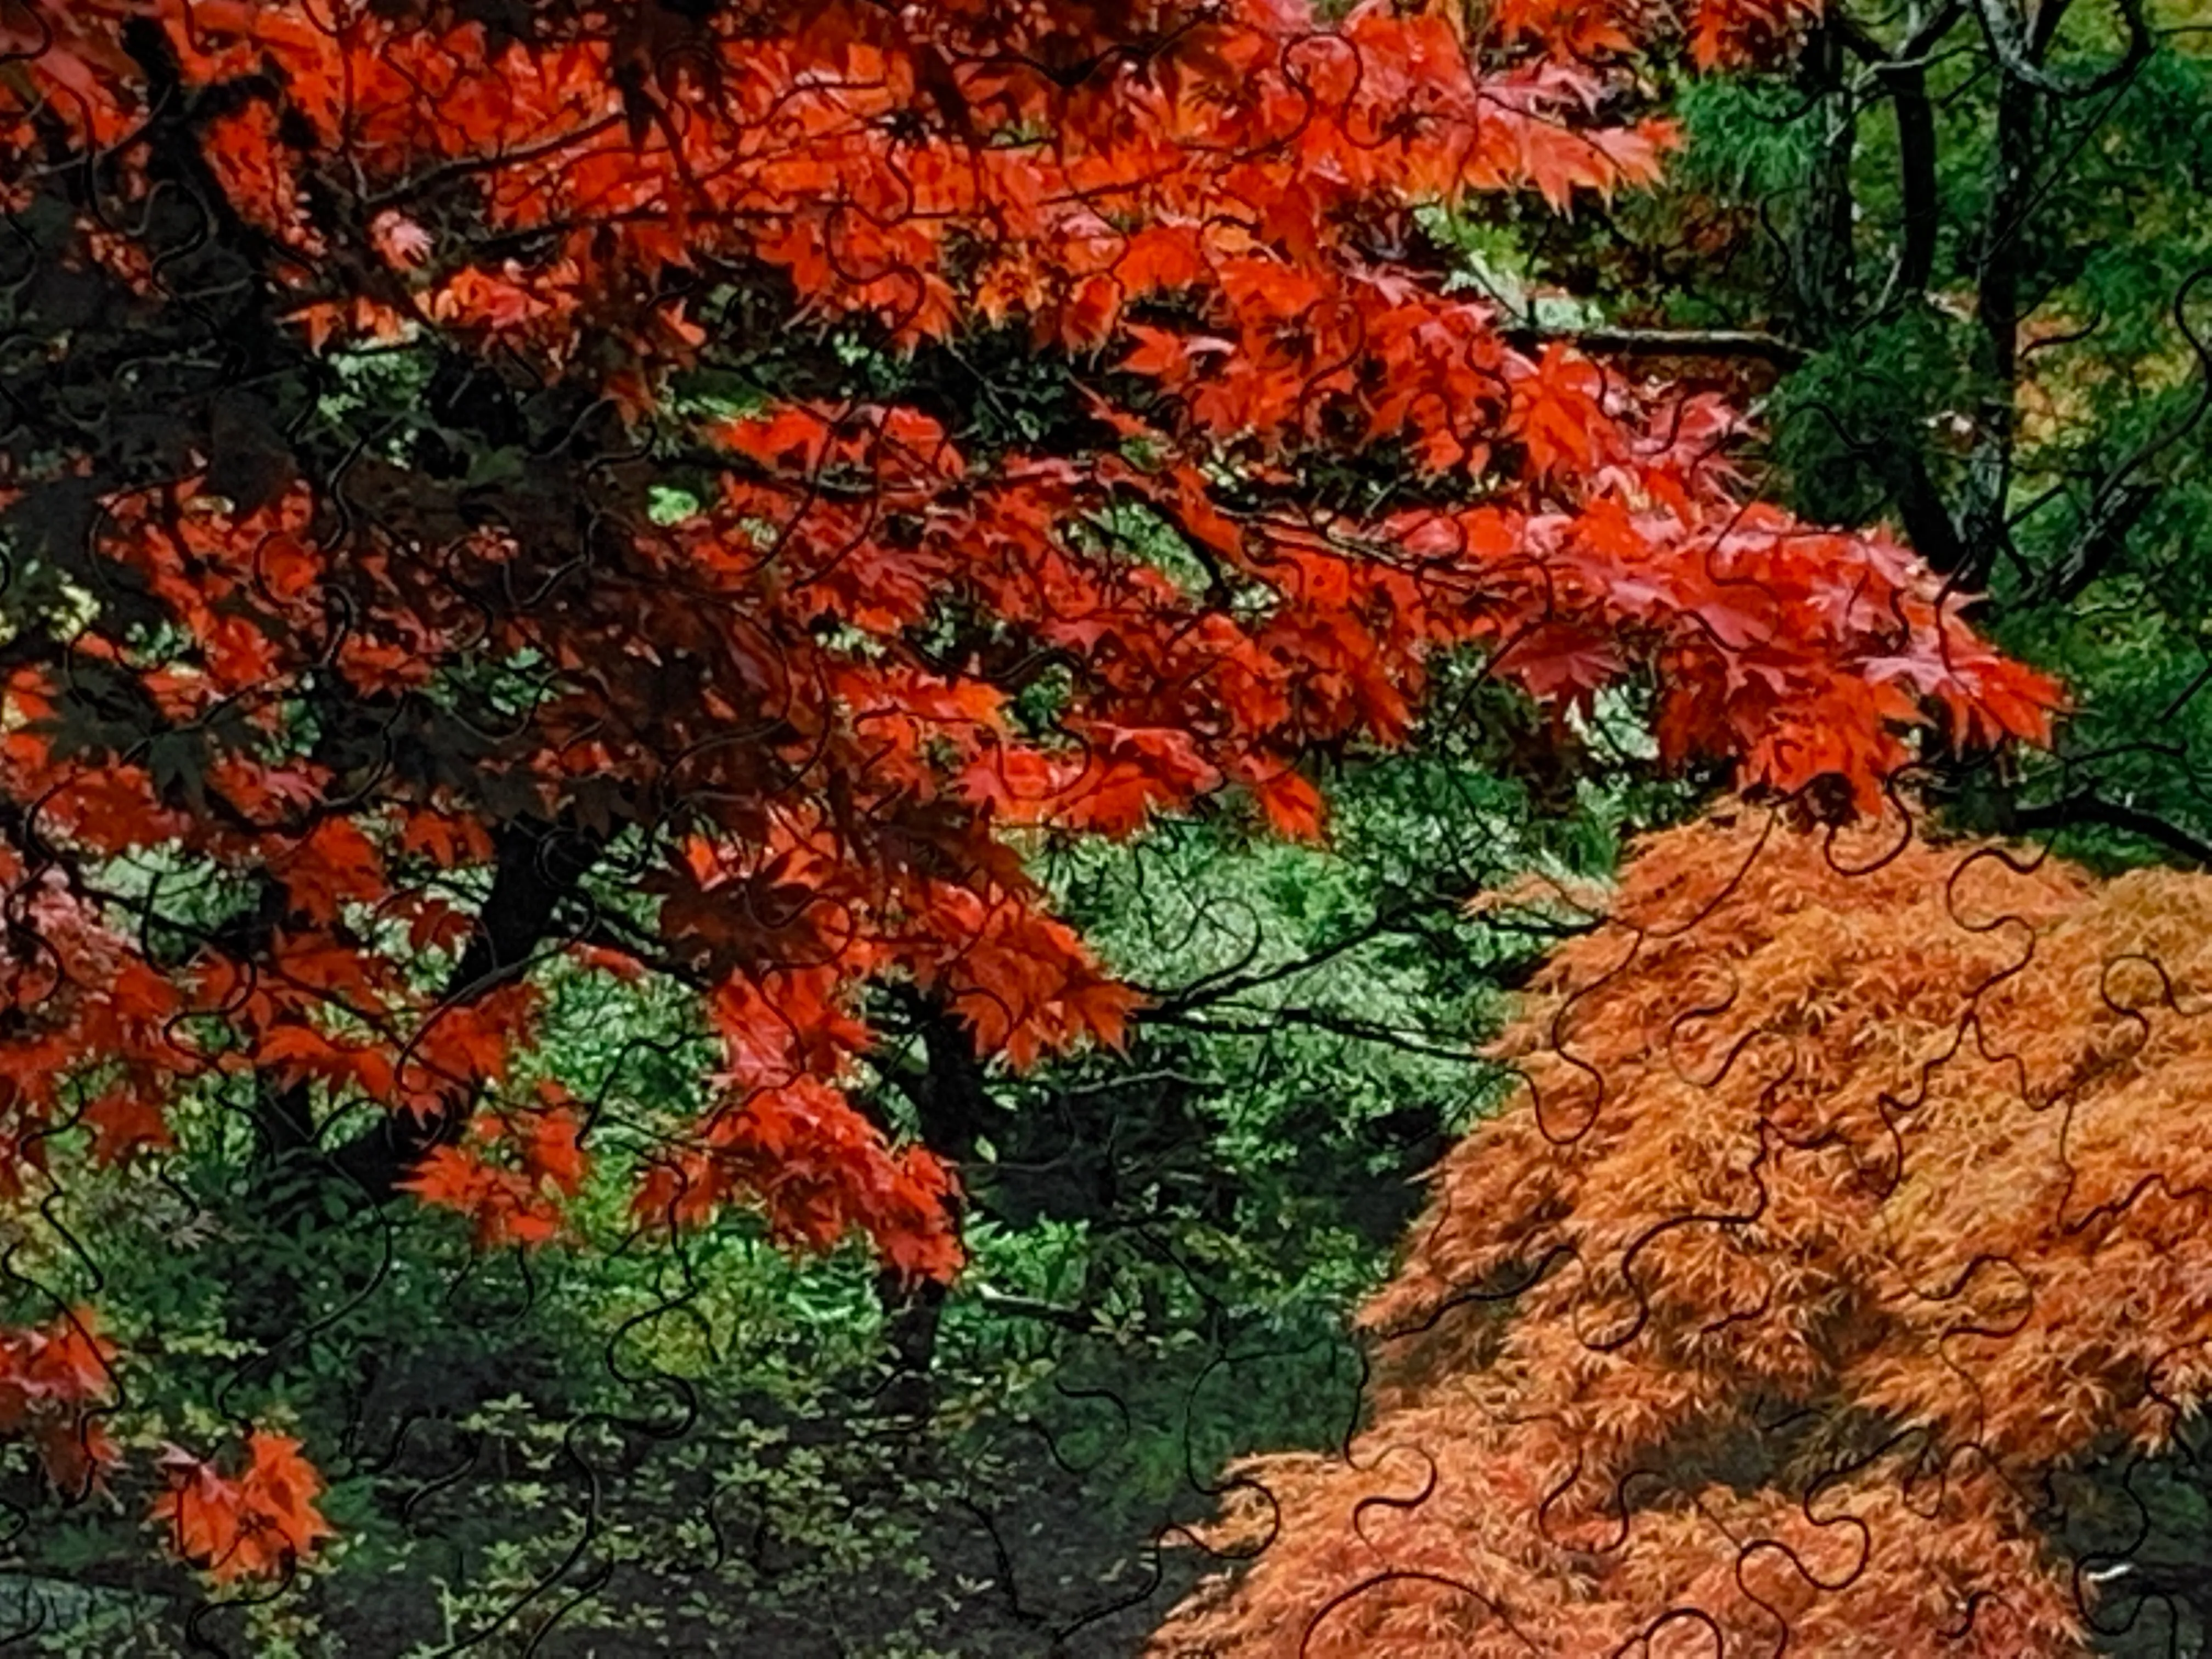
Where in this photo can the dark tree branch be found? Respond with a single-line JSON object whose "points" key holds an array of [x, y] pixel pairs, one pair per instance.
{"points": [[2020, 52], [537, 868], [2113, 512], [1822, 267], [1269, 1022], [2088, 807], [1079, 1320], [625, 939], [1913, 54], [1902, 467], [953, 1105], [1998, 312], [1926, 515], [1669, 343], [1907, 83], [950, 1094], [2121, 499], [1217, 988]]}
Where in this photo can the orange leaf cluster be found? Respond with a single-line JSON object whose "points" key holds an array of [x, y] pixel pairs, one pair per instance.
{"points": [[56, 1384], [512, 1202], [1720, 31], [259, 1523], [50, 1381], [818, 1171], [1857, 1185]]}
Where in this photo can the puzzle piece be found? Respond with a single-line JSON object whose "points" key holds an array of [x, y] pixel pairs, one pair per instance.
{"points": [[768, 773]]}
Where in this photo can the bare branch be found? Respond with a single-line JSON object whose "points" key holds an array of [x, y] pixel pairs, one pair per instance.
{"points": [[2020, 55], [2120, 499], [2088, 807], [1903, 74], [1029, 1307], [1669, 343]]}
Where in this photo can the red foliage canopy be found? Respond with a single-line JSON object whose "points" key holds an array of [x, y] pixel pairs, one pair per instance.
{"points": [[367, 682]]}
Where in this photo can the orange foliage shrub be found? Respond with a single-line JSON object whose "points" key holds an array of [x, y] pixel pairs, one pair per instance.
{"points": [[56, 1387], [1855, 1185], [260, 1525]]}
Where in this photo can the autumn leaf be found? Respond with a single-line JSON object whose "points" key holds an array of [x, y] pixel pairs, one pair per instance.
{"points": [[262, 1523]]}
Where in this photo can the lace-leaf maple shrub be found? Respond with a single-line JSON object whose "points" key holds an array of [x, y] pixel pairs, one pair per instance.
{"points": [[1852, 1217]]}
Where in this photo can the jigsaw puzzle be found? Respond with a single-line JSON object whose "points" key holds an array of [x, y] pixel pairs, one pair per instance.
{"points": [[1172, 827]]}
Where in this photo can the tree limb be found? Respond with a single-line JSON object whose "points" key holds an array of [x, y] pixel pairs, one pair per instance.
{"points": [[1997, 310], [2018, 53], [2120, 500], [537, 868], [1269, 1022], [1029, 1307], [1906, 78], [1822, 268], [2112, 513], [2088, 807], [1669, 343]]}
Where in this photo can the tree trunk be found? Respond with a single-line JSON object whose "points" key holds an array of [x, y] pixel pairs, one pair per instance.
{"points": [[1823, 265], [953, 1105], [538, 868]]}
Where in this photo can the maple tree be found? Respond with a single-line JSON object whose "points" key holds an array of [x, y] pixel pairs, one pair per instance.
{"points": [[332, 715], [1851, 1210]]}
